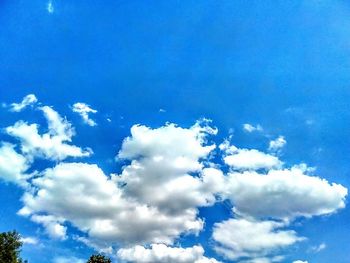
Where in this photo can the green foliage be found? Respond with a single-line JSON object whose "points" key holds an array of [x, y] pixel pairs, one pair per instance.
{"points": [[10, 247], [98, 258]]}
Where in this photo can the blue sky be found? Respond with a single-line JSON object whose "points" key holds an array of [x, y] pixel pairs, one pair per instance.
{"points": [[272, 76]]}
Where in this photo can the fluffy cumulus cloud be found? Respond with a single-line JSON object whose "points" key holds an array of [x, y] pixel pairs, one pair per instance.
{"points": [[90, 196], [54, 144], [243, 238], [161, 162], [244, 159], [83, 110], [13, 165], [270, 195], [27, 101], [167, 174], [94, 204], [260, 188], [53, 225], [159, 253]]}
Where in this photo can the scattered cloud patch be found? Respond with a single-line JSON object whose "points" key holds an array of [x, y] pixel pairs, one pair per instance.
{"points": [[29, 240], [27, 101], [52, 145], [319, 248], [251, 128], [68, 260], [84, 110], [277, 144], [310, 122], [50, 8]]}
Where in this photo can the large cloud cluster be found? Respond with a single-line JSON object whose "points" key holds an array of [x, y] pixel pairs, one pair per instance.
{"points": [[266, 198], [169, 173]]}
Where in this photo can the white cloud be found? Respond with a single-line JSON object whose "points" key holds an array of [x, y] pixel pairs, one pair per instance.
{"points": [[269, 195], [319, 248], [51, 145], [169, 141], [57, 125], [300, 261], [251, 128], [27, 101], [161, 160], [90, 196], [83, 110], [277, 144], [53, 225], [29, 240], [94, 204], [13, 165], [243, 238], [227, 148], [159, 253], [244, 159], [157, 199], [68, 260], [50, 8]]}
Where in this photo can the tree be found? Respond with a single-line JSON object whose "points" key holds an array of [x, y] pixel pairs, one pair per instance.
{"points": [[10, 247], [98, 258]]}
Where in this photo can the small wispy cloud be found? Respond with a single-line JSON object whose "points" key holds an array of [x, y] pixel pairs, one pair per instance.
{"points": [[251, 128], [320, 247], [67, 260], [50, 8], [26, 101], [277, 144], [83, 110], [29, 240]]}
